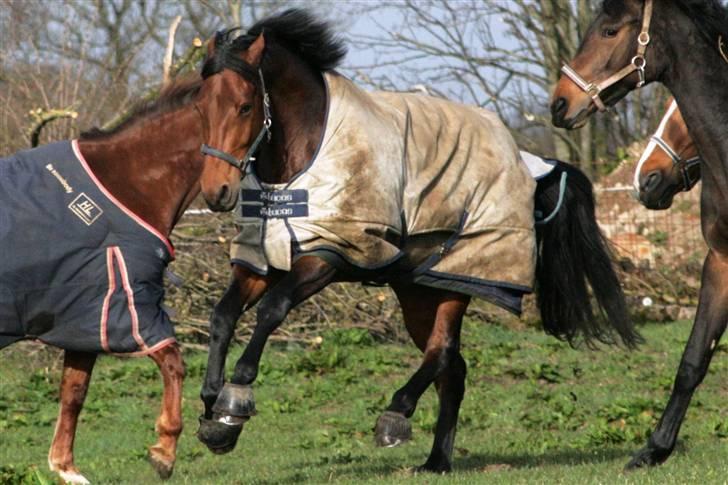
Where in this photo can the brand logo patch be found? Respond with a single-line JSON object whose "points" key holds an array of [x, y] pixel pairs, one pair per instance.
{"points": [[86, 209]]}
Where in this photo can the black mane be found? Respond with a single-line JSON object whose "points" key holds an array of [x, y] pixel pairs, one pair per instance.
{"points": [[296, 29], [710, 18], [177, 94]]}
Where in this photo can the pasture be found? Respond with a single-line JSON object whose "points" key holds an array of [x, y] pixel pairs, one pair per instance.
{"points": [[535, 411]]}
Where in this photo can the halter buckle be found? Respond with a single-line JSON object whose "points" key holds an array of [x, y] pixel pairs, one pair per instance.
{"points": [[643, 39]]}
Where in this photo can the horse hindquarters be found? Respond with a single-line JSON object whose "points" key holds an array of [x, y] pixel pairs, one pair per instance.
{"points": [[571, 253]]}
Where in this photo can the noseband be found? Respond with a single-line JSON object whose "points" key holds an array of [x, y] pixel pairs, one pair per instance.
{"points": [[678, 163], [242, 164], [638, 64]]}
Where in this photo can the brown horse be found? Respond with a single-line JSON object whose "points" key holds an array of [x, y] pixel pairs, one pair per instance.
{"points": [[682, 44], [150, 169], [267, 94], [670, 163]]}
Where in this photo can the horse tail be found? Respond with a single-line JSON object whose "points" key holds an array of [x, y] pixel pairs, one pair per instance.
{"points": [[571, 253]]}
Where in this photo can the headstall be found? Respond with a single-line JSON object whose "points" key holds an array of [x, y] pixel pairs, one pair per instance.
{"points": [[638, 64], [242, 163]]}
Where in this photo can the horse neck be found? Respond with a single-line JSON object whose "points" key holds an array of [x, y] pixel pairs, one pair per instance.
{"points": [[298, 108], [696, 77], [152, 167]]}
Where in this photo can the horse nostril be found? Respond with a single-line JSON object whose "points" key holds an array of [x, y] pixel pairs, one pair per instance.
{"points": [[559, 108], [222, 195], [652, 181]]}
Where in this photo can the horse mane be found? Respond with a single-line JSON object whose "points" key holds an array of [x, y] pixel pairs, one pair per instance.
{"points": [[709, 16], [177, 94], [296, 29]]}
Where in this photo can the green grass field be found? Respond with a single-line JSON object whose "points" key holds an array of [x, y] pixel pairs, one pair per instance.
{"points": [[535, 411]]}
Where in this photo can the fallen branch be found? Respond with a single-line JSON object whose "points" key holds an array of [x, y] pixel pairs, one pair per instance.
{"points": [[41, 117]]}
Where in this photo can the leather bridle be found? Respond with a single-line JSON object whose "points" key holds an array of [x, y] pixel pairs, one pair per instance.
{"points": [[638, 64], [265, 131], [679, 163]]}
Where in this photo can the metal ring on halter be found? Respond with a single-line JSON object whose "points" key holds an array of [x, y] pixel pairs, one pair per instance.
{"points": [[638, 58], [643, 38]]}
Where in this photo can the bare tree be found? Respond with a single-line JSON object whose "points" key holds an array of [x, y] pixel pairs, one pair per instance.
{"points": [[503, 55]]}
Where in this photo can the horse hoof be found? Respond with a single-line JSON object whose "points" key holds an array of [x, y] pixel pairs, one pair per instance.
{"points": [[163, 465], [646, 457], [73, 477], [392, 429], [220, 434], [235, 400]]}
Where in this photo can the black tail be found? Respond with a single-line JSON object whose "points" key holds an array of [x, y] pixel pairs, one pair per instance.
{"points": [[571, 253]]}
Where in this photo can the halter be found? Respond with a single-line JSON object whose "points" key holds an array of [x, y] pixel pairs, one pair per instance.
{"points": [[638, 64], [679, 163], [722, 48], [242, 164]]}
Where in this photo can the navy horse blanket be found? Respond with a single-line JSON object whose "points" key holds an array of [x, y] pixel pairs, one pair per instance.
{"points": [[78, 270]]}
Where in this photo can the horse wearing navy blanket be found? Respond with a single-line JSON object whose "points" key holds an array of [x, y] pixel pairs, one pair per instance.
{"points": [[84, 229], [428, 196]]}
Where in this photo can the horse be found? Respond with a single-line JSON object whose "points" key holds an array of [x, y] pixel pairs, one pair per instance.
{"points": [[276, 111], [682, 44], [674, 168], [136, 179]]}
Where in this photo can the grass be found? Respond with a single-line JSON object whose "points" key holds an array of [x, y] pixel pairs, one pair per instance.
{"points": [[535, 411]]}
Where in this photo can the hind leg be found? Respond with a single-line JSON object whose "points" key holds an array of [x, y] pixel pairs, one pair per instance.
{"points": [[433, 319], [77, 369], [710, 323], [163, 454], [451, 390]]}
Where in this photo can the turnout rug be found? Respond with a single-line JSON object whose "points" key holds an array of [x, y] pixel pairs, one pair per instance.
{"points": [[79, 270], [402, 186]]}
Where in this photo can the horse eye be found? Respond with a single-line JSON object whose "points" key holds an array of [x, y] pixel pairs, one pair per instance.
{"points": [[609, 32], [246, 109]]}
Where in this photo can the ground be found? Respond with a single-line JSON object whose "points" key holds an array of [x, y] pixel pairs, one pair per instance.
{"points": [[536, 411]]}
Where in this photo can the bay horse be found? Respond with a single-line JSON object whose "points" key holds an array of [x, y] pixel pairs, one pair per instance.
{"points": [[670, 163], [140, 176], [270, 113], [683, 45]]}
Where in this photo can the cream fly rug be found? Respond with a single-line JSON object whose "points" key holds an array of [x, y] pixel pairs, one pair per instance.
{"points": [[404, 186]]}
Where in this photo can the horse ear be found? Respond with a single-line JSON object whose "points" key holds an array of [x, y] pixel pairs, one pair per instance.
{"points": [[212, 44], [254, 54]]}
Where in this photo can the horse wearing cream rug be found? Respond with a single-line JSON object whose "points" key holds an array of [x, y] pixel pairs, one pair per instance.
{"points": [[428, 196]]}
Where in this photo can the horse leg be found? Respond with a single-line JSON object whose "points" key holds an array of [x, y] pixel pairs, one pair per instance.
{"points": [[433, 319], [244, 291], [235, 404], [710, 323], [77, 369], [163, 454]]}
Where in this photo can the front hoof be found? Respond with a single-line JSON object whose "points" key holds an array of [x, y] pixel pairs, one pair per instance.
{"points": [[235, 400], [220, 434], [646, 457], [392, 429], [162, 464]]}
